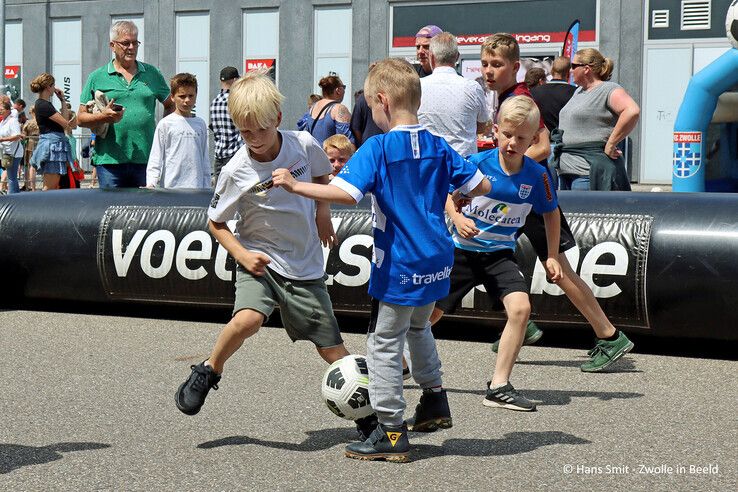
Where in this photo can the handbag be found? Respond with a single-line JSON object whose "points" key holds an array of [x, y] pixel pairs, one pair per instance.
{"points": [[7, 161], [77, 171]]}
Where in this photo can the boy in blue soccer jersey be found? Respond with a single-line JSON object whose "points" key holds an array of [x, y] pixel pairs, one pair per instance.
{"points": [[485, 230], [408, 171]]}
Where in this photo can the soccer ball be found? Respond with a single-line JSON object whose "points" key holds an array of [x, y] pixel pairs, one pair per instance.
{"points": [[731, 23], [345, 388]]}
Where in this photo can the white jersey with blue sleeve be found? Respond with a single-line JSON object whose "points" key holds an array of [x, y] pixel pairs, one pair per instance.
{"points": [[408, 171], [499, 214]]}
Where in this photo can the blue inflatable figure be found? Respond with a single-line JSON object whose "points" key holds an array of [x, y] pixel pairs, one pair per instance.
{"points": [[696, 111]]}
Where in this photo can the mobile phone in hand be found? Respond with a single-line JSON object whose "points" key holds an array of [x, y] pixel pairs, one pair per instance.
{"points": [[117, 108]]}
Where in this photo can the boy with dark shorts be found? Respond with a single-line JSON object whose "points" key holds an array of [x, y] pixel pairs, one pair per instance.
{"points": [[500, 55], [277, 240], [408, 171], [485, 233]]}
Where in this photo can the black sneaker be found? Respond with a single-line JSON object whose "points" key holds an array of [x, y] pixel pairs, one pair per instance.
{"points": [[365, 426], [507, 397], [192, 393], [432, 413], [388, 443]]}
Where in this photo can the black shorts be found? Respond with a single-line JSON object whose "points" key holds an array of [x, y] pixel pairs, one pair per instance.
{"points": [[535, 230], [497, 271]]}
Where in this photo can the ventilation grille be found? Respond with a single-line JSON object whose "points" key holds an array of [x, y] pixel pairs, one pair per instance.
{"points": [[695, 15], [659, 18]]}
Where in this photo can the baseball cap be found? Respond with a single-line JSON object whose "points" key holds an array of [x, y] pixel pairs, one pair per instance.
{"points": [[429, 31], [229, 73]]}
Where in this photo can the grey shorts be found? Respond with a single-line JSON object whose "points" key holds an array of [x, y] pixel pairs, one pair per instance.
{"points": [[304, 305]]}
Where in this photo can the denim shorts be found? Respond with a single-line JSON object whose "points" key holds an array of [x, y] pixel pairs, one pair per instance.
{"points": [[54, 167]]}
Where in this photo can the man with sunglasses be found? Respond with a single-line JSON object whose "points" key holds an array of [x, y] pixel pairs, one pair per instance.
{"points": [[132, 89]]}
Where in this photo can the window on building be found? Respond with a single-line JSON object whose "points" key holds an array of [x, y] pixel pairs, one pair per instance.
{"points": [[193, 55], [261, 41], [66, 59], [14, 59], [333, 47]]}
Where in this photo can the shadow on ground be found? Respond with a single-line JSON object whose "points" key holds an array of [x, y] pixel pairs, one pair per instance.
{"points": [[626, 364], [509, 444], [14, 456], [558, 397]]}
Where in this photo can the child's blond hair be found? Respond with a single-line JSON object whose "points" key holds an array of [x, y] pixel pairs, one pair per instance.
{"points": [[519, 110], [254, 100], [502, 44], [339, 142], [398, 80]]}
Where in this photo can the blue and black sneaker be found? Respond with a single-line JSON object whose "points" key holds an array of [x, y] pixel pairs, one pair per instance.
{"points": [[192, 393]]}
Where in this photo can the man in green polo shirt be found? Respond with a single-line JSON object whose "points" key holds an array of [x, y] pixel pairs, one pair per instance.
{"points": [[122, 155]]}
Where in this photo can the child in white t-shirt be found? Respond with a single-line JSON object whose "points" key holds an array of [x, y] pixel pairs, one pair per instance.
{"points": [[179, 153], [276, 242]]}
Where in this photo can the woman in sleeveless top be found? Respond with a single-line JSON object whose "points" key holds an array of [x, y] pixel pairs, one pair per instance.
{"points": [[596, 119], [328, 116]]}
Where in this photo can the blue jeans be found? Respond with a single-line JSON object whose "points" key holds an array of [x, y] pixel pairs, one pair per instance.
{"points": [[125, 175], [552, 169], [12, 172], [573, 182]]}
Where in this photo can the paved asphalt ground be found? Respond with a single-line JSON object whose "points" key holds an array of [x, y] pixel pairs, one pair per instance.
{"points": [[87, 404]]}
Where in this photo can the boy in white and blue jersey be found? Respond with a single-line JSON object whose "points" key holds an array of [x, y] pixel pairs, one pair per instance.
{"points": [[408, 171], [484, 233]]}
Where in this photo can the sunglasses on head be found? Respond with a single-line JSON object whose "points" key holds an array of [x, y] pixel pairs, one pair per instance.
{"points": [[577, 65]]}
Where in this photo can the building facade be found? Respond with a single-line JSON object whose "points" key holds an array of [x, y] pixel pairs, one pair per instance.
{"points": [[654, 50]]}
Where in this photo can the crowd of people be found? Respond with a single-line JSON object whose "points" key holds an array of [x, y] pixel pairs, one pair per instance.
{"points": [[416, 130], [585, 122]]}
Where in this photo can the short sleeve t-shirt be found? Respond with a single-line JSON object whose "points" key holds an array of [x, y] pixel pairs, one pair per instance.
{"points": [[499, 214], [272, 221], [44, 111], [130, 139], [362, 121], [408, 171]]}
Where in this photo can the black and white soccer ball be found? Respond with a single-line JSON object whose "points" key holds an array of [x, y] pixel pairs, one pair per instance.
{"points": [[346, 388], [731, 23]]}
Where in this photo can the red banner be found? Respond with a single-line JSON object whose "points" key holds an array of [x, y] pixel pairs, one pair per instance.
{"points": [[256, 64], [12, 71]]}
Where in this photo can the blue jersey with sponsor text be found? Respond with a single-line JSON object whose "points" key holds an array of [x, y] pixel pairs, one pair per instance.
{"points": [[408, 171], [499, 214]]}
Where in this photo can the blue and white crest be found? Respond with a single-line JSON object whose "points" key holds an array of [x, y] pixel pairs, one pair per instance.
{"points": [[524, 191], [687, 158]]}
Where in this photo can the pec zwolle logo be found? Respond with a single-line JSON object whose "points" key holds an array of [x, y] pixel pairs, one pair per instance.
{"points": [[687, 153]]}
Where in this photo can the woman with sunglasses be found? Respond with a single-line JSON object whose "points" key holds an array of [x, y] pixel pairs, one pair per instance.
{"points": [[328, 116], [596, 119]]}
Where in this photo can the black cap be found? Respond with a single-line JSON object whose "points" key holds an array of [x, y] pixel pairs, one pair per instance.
{"points": [[229, 73]]}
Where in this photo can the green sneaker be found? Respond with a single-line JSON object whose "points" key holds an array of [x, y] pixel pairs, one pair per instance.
{"points": [[532, 335], [605, 353]]}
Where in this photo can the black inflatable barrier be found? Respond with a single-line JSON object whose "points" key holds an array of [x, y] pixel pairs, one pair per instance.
{"points": [[660, 263]]}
